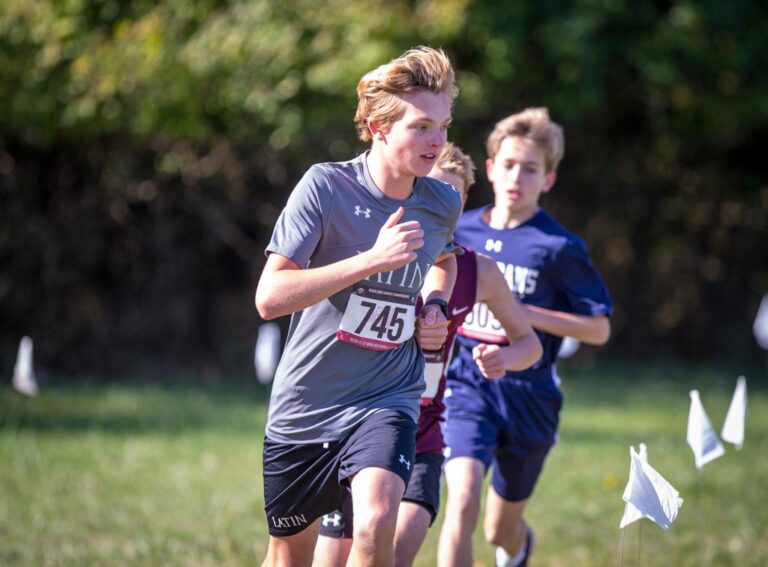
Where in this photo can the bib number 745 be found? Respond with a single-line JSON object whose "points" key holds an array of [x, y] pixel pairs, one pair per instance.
{"points": [[377, 319], [389, 322]]}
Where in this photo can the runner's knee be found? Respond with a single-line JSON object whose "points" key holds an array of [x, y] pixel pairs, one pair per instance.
{"points": [[463, 505], [375, 518]]}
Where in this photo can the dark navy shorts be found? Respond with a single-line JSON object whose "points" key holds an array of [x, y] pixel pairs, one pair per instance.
{"points": [[338, 524], [508, 424], [304, 482], [423, 489]]}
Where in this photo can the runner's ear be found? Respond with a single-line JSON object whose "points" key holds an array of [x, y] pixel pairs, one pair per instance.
{"points": [[376, 132]]}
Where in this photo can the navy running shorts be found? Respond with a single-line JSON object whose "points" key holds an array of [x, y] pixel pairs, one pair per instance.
{"points": [[424, 486], [508, 424]]}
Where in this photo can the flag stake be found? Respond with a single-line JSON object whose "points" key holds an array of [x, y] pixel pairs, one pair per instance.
{"points": [[700, 498], [621, 548]]}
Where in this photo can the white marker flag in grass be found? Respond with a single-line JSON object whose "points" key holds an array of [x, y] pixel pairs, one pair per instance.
{"points": [[701, 436], [24, 379], [760, 327], [648, 494], [267, 352], [733, 428]]}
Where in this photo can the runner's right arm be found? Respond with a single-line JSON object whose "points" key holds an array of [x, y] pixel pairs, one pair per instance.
{"points": [[284, 287]]}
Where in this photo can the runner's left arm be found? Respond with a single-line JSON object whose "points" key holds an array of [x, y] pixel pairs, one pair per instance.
{"points": [[432, 324], [524, 347]]}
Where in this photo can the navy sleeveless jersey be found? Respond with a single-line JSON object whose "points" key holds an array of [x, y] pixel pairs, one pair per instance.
{"points": [[429, 438], [545, 265]]}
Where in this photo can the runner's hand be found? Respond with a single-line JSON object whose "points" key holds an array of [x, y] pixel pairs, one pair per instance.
{"points": [[396, 244], [431, 328], [490, 359]]}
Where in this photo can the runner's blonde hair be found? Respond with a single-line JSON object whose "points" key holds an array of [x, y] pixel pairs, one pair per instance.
{"points": [[378, 92]]}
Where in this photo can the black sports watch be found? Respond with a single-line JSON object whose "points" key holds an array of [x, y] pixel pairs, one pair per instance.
{"points": [[441, 303]]}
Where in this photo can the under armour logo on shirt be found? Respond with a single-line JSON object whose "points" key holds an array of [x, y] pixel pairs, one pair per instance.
{"points": [[405, 462], [334, 519], [492, 245], [365, 212]]}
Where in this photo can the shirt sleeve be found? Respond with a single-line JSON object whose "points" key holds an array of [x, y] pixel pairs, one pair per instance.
{"points": [[300, 225], [450, 246], [582, 284]]}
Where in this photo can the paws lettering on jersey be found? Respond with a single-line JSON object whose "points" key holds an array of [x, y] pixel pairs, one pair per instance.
{"points": [[520, 280], [492, 245], [360, 211], [405, 462]]}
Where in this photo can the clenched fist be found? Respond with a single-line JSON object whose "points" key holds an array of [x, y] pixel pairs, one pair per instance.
{"points": [[431, 328], [396, 244], [491, 360]]}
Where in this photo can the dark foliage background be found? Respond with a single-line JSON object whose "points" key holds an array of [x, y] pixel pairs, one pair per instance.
{"points": [[147, 148]]}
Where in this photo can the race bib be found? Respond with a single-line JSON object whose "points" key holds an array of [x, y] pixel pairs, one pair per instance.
{"points": [[434, 364], [481, 325], [377, 319]]}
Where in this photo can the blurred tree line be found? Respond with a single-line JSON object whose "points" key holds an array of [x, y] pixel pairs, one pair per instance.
{"points": [[146, 149]]}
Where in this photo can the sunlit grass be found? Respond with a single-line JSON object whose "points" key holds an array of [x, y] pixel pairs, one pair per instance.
{"points": [[577, 505], [151, 475], [124, 476]]}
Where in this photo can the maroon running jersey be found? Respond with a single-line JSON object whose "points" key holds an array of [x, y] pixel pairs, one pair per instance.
{"points": [[429, 438]]}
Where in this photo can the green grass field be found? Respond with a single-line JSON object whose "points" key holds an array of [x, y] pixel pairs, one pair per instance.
{"points": [[147, 475]]}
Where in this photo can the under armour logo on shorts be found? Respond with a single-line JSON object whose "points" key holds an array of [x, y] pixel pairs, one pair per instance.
{"points": [[334, 518], [405, 462], [359, 211]]}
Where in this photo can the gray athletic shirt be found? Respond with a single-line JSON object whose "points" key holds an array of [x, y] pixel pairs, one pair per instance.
{"points": [[323, 387]]}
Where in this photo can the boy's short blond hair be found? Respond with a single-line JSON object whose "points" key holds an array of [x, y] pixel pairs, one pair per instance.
{"points": [[532, 124], [420, 68], [453, 160]]}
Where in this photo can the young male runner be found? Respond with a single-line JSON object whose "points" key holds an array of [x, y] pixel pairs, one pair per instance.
{"points": [[348, 257], [512, 423], [478, 279]]}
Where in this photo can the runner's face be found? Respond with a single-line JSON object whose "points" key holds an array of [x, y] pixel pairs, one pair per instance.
{"points": [[451, 179], [518, 175], [415, 139]]}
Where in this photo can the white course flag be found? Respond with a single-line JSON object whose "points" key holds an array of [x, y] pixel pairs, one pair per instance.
{"points": [[648, 494], [267, 352], [24, 379], [733, 428], [760, 327], [701, 436]]}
